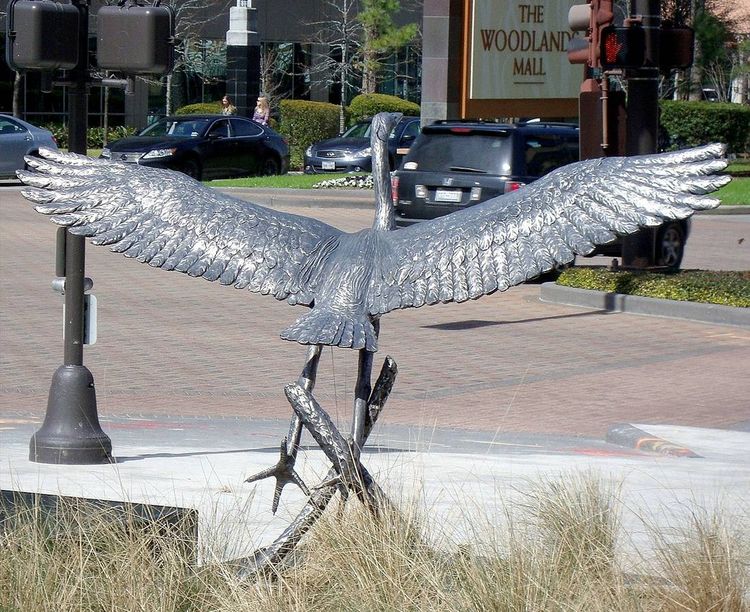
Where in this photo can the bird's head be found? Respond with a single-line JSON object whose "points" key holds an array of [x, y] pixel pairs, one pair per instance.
{"points": [[383, 124]]}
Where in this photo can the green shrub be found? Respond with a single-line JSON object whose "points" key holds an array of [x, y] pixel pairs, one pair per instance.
{"points": [[94, 135], [60, 132], [727, 288], [690, 124], [200, 108], [304, 123], [367, 105]]}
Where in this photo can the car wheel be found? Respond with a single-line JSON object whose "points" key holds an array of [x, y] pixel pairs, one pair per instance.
{"points": [[270, 167], [670, 245], [192, 169]]}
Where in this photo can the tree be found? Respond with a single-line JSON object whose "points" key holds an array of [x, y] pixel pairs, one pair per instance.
{"points": [[190, 17], [341, 36], [713, 33], [381, 37]]}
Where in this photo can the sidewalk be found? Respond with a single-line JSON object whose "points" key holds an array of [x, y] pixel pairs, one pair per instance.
{"points": [[173, 345]]}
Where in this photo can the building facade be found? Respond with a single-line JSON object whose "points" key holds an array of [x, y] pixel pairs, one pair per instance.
{"points": [[294, 42]]}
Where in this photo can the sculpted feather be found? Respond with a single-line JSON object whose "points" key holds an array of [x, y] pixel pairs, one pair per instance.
{"points": [[168, 220]]}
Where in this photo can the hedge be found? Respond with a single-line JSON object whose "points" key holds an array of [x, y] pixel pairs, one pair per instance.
{"points": [[369, 105], [727, 288], [690, 124], [304, 123], [94, 135], [200, 108]]}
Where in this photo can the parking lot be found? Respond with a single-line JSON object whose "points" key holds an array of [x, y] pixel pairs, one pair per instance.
{"points": [[173, 345]]}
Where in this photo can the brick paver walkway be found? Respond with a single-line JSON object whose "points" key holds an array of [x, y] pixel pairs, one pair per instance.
{"points": [[170, 344]]}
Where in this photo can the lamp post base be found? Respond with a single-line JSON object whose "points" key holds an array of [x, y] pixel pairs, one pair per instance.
{"points": [[71, 433]]}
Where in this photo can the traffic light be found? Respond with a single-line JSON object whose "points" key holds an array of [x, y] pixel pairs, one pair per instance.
{"points": [[590, 18], [135, 39], [39, 35], [622, 47]]}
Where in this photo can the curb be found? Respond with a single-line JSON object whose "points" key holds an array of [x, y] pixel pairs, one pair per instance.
{"points": [[624, 434], [633, 304]]}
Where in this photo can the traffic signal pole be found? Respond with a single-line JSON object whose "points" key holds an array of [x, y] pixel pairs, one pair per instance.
{"points": [[643, 118], [71, 433]]}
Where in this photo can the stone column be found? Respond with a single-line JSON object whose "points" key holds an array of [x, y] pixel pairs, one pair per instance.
{"points": [[442, 25], [243, 57]]}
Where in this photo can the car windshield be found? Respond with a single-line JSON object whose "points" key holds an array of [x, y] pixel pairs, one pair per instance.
{"points": [[358, 130], [451, 152], [176, 127]]}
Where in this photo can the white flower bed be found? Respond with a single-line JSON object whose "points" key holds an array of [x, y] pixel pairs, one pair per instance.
{"points": [[346, 182]]}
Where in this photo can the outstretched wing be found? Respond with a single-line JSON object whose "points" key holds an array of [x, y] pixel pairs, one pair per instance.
{"points": [[168, 220], [507, 240]]}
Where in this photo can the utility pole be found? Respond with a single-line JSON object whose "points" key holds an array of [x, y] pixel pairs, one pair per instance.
{"points": [[643, 118]]}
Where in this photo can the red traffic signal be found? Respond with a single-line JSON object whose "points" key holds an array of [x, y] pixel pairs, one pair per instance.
{"points": [[622, 47], [589, 18]]}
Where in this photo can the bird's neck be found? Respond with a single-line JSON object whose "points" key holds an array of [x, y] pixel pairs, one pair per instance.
{"points": [[385, 218]]}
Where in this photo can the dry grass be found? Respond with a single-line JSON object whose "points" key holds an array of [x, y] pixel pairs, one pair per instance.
{"points": [[555, 552]]}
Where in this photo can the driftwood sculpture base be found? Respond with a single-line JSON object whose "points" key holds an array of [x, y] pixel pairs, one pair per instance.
{"points": [[347, 474]]}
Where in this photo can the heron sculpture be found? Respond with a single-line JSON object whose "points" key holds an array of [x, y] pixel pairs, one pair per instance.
{"points": [[350, 280]]}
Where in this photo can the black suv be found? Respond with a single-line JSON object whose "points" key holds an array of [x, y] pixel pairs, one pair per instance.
{"points": [[455, 164], [458, 163]]}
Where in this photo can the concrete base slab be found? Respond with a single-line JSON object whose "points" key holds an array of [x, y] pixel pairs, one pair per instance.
{"points": [[461, 494]]}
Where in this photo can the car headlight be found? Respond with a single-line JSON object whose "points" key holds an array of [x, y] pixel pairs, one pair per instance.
{"points": [[308, 151], [366, 152], [106, 153], [159, 153]]}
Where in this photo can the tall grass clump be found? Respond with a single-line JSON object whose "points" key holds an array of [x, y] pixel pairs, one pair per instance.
{"points": [[706, 569], [81, 557], [553, 549]]}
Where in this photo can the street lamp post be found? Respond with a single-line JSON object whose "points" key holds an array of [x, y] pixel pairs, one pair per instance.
{"points": [[71, 432]]}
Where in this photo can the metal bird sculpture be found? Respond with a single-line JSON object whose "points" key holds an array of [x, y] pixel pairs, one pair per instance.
{"points": [[349, 280]]}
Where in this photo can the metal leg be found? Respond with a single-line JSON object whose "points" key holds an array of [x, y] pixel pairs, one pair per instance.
{"points": [[306, 380], [284, 471], [361, 395]]}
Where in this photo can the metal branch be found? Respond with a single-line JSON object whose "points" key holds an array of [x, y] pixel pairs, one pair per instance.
{"points": [[328, 437]]}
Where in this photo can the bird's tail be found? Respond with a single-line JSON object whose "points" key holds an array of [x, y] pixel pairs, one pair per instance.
{"points": [[333, 328]]}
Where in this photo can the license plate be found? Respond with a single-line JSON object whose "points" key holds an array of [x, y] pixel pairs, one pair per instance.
{"points": [[447, 195], [329, 165]]}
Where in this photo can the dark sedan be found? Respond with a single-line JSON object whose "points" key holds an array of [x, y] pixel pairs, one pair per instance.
{"points": [[205, 147], [350, 152]]}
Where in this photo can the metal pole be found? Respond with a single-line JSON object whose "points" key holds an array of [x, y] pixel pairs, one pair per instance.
{"points": [[71, 433], [643, 121]]}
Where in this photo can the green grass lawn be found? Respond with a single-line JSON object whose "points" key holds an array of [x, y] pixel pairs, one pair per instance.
{"points": [[734, 194], [284, 181], [739, 165], [737, 193]]}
